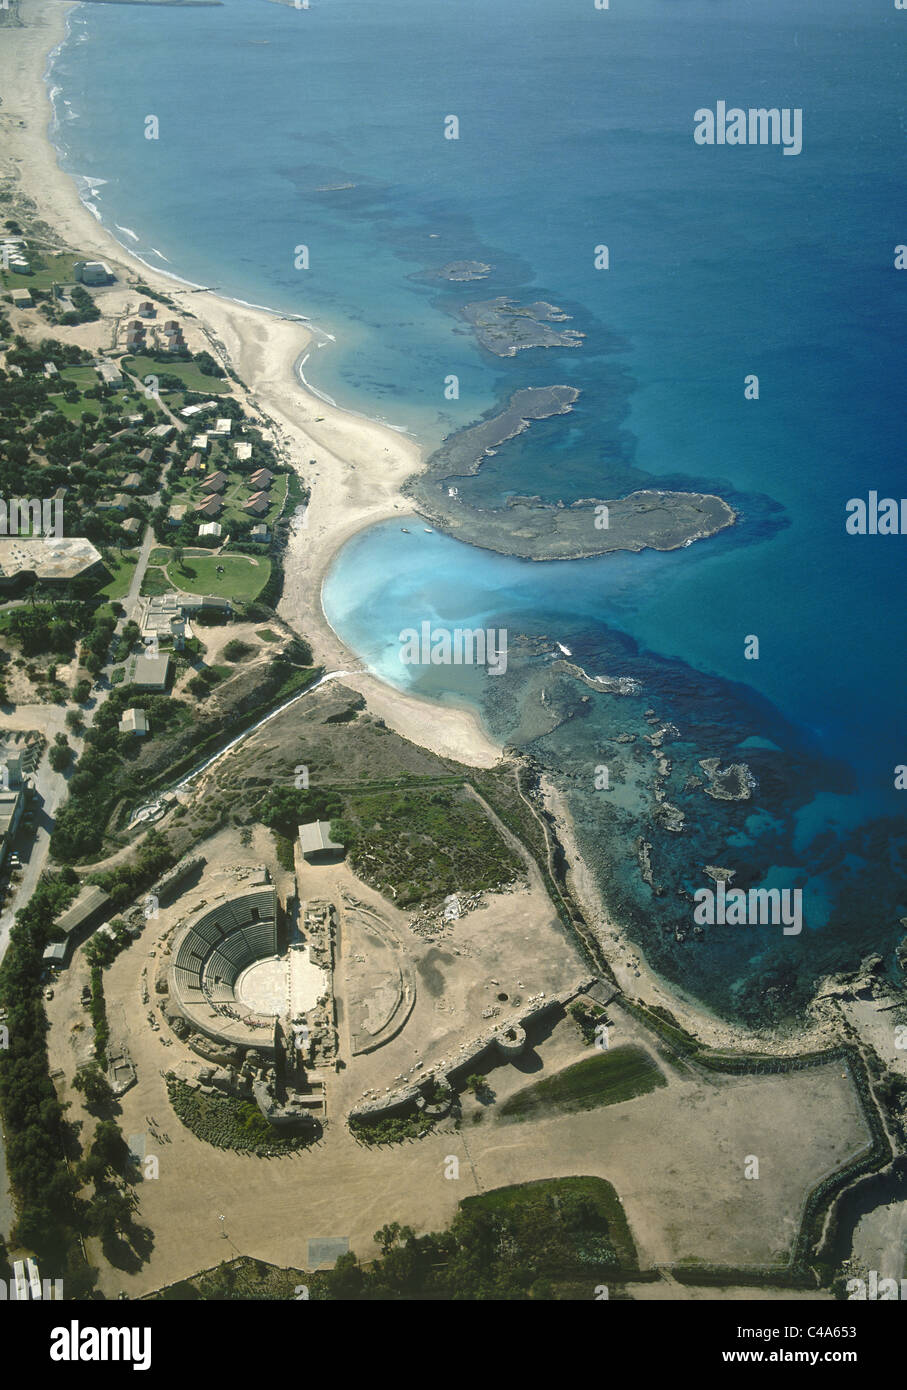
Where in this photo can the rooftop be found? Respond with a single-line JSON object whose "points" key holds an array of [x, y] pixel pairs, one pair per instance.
{"points": [[316, 837], [90, 900], [49, 557]]}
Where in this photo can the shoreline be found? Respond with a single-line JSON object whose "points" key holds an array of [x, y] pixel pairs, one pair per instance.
{"points": [[359, 466]]}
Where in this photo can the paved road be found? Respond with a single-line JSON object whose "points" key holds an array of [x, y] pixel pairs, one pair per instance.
{"points": [[131, 601]]}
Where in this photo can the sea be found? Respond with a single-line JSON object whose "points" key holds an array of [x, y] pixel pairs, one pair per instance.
{"points": [[336, 159]]}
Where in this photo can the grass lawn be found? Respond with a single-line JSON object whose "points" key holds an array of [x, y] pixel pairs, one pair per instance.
{"points": [[83, 377], [125, 402], [121, 574], [605, 1079], [59, 268], [73, 410], [242, 580], [267, 635], [189, 374]]}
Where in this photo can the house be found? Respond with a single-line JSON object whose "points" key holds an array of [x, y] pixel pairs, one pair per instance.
{"points": [[210, 508], [132, 481], [316, 843], [160, 432], [261, 479], [170, 325], [93, 272], [211, 528], [147, 309], [260, 533], [257, 505], [165, 613], [50, 370], [222, 427], [132, 526], [208, 603], [109, 373], [177, 514], [22, 299], [194, 463], [243, 451], [145, 456], [57, 953], [120, 502], [134, 340], [215, 482], [151, 672], [189, 410], [134, 721], [200, 442]]}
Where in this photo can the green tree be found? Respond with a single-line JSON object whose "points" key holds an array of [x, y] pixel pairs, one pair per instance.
{"points": [[91, 1081]]}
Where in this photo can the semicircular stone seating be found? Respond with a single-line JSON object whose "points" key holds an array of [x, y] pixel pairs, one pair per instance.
{"points": [[219, 945]]}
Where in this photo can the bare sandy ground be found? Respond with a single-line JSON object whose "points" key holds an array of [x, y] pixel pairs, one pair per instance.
{"points": [[354, 465]]}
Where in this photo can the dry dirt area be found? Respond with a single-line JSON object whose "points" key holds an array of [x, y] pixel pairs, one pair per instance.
{"points": [[215, 639], [676, 1156]]}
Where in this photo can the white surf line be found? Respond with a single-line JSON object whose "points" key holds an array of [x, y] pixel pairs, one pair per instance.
{"points": [[345, 409]]}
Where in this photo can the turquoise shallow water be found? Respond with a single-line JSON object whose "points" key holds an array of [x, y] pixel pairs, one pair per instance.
{"points": [[576, 129]]}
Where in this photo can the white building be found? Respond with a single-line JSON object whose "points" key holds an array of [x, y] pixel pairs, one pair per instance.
{"points": [[134, 721]]}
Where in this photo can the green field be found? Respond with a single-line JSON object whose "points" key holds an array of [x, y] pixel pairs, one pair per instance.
{"points": [[606, 1079], [121, 574], [83, 377], [243, 579], [56, 268], [189, 374], [599, 1208]]}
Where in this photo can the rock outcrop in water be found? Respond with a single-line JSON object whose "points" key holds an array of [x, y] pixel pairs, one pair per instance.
{"points": [[505, 328], [537, 530], [732, 783]]}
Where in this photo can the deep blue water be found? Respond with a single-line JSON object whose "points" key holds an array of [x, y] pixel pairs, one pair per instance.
{"points": [[576, 129]]}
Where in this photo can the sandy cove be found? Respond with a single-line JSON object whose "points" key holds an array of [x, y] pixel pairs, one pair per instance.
{"points": [[359, 464]]}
